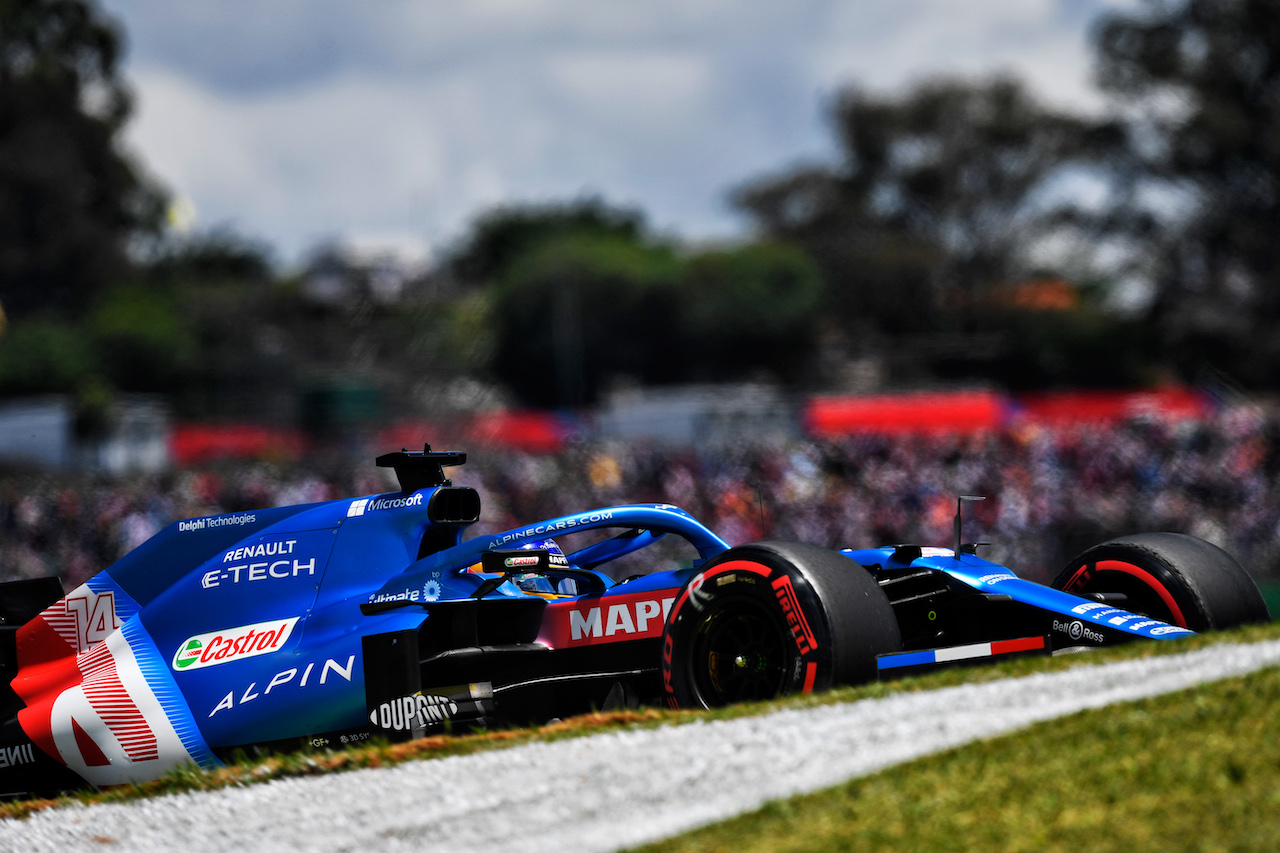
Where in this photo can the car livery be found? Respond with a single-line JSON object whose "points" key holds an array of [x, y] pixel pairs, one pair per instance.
{"points": [[334, 622]]}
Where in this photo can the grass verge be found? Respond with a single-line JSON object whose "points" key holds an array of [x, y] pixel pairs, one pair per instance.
{"points": [[1197, 770], [312, 762]]}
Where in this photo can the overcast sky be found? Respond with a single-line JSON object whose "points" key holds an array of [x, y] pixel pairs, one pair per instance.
{"points": [[396, 122]]}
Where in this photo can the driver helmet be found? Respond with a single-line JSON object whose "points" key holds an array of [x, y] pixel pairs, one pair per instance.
{"points": [[557, 558], [540, 584]]}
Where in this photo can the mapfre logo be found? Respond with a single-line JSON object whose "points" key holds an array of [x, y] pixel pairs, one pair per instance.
{"points": [[606, 619], [233, 644]]}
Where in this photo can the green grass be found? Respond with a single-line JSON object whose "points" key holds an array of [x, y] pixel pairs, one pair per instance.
{"points": [[252, 770], [1197, 770]]}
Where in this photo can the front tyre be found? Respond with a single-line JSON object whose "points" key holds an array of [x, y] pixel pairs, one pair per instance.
{"points": [[773, 618], [1179, 579]]}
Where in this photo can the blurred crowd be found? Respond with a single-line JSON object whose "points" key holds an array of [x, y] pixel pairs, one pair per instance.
{"points": [[1050, 492]]}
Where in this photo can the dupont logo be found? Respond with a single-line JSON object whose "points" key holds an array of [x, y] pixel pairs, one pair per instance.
{"points": [[405, 713], [233, 644]]}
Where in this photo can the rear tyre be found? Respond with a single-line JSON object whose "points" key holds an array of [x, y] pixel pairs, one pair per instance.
{"points": [[1179, 579], [773, 618]]}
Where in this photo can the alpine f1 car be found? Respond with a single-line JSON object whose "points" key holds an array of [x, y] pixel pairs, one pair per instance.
{"points": [[336, 622]]}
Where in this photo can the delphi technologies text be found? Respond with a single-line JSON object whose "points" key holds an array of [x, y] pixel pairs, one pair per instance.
{"points": [[194, 524]]}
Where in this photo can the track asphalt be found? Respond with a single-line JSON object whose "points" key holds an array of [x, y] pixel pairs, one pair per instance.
{"points": [[608, 791]]}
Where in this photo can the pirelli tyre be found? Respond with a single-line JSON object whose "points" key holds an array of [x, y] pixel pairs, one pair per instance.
{"points": [[1179, 579], [774, 618]]}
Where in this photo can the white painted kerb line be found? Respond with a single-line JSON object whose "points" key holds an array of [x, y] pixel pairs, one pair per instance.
{"points": [[609, 791]]}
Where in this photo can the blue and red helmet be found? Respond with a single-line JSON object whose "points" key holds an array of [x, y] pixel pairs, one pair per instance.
{"points": [[555, 556], [539, 584]]}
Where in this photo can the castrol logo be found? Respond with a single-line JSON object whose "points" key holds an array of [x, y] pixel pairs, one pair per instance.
{"points": [[230, 644]]}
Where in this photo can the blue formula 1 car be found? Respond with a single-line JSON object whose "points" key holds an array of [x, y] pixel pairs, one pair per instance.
{"points": [[336, 622]]}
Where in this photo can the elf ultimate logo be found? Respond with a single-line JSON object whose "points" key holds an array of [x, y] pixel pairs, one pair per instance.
{"points": [[233, 644]]}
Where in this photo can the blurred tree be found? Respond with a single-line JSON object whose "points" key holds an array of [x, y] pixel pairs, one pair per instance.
{"points": [[1053, 333], [141, 339], [69, 199], [211, 256], [41, 355], [750, 309], [577, 310], [580, 296], [503, 234], [937, 195], [1201, 80]]}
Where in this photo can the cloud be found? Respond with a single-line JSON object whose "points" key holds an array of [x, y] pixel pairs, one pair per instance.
{"points": [[1043, 41], [633, 91], [302, 119]]}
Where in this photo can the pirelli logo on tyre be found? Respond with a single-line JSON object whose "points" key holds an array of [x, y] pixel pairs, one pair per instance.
{"points": [[800, 631]]}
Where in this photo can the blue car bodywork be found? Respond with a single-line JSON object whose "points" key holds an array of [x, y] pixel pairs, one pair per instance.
{"points": [[335, 622]]}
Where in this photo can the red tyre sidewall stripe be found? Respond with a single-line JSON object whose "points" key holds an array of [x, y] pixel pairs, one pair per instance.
{"points": [[1081, 575], [1148, 579], [730, 566], [715, 571], [793, 615]]}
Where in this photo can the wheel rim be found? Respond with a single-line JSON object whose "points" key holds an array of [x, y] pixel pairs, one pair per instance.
{"points": [[739, 654]]}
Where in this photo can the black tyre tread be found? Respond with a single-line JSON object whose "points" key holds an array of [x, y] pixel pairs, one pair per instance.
{"points": [[1221, 590], [861, 621]]}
